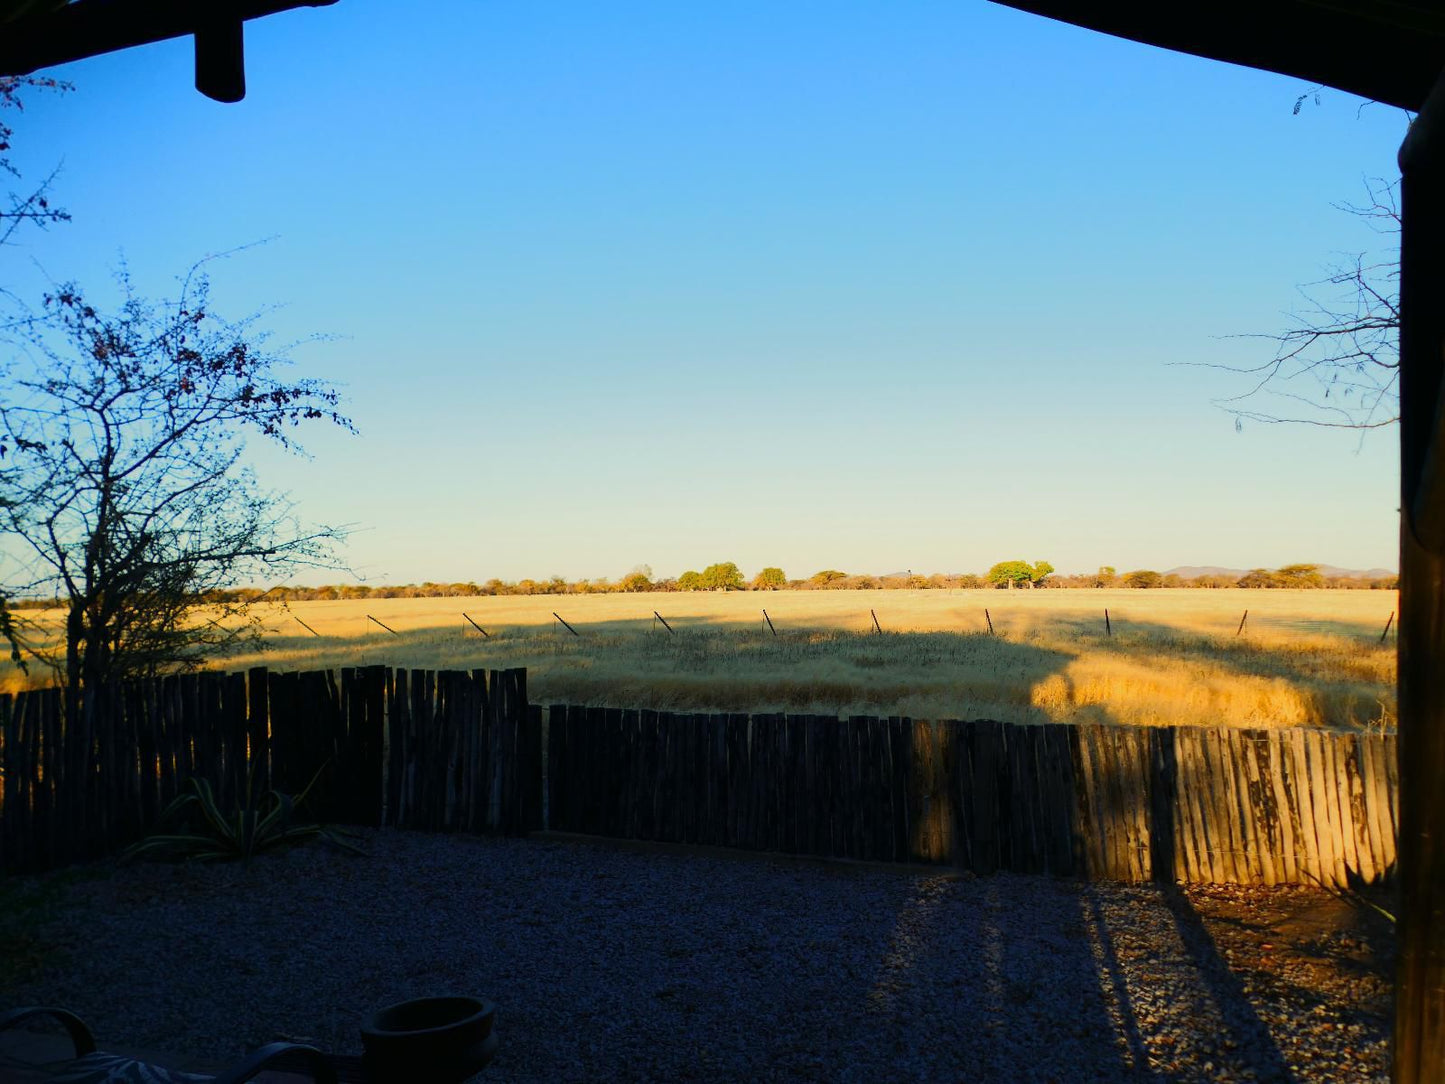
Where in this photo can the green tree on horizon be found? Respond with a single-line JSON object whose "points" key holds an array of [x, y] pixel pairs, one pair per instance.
{"points": [[1014, 573], [770, 579], [724, 576], [1143, 578]]}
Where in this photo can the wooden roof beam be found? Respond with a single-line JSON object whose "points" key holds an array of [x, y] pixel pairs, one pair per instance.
{"points": [[89, 28]]}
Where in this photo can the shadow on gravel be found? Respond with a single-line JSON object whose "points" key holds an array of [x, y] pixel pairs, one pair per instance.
{"points": [[1249, 1032], [974, 985]]}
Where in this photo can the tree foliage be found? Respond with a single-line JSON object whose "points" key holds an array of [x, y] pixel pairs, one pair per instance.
{"points": [[770, 579], [1010, 573], [124, 434], [1143, 578], [722, 577], [1295, 576], [1015, 573], [639, 579], [1301, 575]]}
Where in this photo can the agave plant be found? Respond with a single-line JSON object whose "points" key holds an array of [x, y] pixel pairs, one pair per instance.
{"points": [[261, 823]]}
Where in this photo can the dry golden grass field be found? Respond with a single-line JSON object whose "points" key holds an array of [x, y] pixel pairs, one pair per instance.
{"points": [[1305, 658]]}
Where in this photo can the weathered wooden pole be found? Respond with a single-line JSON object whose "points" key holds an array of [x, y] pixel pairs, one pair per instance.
{"points": [[1419, 1054]]}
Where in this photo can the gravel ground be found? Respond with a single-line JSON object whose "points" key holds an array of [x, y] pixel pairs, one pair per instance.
{"points": [[611, 963]]}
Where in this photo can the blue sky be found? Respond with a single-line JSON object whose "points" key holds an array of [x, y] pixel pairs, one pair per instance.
{"points": [[919, 286]]}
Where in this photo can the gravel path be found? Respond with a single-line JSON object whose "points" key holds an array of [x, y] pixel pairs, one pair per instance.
{"points": [[614, 964]]}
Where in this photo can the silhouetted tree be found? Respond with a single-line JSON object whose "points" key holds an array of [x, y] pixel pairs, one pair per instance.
{"points": [[124, 434], [33, 206]]}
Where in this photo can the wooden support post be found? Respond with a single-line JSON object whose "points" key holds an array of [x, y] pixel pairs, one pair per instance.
{"points": [[477, 627], [304, 625], [1419, 1046], [989, 619], [663, 620], [876, 627], [1242, 620], [769, 620], [1388, 621], [388, 628], [566, 626], [1108, 628]]}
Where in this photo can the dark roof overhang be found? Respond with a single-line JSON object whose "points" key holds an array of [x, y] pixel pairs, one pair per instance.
{"points": [[1389, 51]]}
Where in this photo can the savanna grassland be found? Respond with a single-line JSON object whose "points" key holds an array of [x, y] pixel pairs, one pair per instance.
{"points": [[1175, 657]]}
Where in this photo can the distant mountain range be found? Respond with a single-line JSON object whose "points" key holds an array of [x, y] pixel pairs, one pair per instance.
{"points": [[1188, 572]]}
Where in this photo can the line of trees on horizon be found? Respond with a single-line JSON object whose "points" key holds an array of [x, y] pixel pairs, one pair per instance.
{"points": [[726, 576]]}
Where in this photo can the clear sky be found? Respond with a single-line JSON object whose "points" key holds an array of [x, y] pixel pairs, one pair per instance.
{"points": [[859, 286]]}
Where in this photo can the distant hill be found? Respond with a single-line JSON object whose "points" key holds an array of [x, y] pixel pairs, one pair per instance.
{"points": [[1188, 572], [1356, 574]]}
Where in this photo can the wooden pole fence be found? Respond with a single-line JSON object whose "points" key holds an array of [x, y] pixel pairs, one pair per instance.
{"points": [[463, 752]]}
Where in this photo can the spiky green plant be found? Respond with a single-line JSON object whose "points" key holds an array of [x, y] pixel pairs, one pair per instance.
{"points": [[261, 822]]}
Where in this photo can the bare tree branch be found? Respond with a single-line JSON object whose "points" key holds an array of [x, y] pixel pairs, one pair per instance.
{"points": [[1338, 365]]}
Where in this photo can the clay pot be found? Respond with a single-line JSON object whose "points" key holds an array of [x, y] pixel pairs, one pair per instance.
{"points": [[441, 1039]]}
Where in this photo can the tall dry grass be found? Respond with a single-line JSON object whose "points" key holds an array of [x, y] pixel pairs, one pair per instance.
{"points": [[1306, 658]]}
